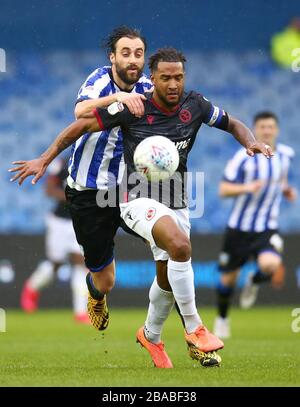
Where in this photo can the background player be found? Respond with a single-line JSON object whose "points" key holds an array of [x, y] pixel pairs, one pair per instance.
{"points": [[61, 248], [252, 230], [167, 106]]}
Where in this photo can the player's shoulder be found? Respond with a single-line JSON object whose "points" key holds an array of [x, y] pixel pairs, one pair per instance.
{"points": [[192, 94], [196, 95], [145, 81], [285, 149], [100, 73], [197, 99]]}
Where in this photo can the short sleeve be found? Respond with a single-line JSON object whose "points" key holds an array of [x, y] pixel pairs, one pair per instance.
{"points": [[235, 168], [115, 115], [94, 86], [213, 116], [287, 155]]}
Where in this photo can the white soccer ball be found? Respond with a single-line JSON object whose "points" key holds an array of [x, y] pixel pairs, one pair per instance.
{"points": [[156, 158]]}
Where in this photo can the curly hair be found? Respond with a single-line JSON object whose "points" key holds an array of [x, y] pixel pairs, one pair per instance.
{"points": [[165, 55]]}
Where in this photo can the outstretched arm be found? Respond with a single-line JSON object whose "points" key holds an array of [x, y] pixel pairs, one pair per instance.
{"points": [[213, 116], [232, 189], [246, 138], [68, 136]]}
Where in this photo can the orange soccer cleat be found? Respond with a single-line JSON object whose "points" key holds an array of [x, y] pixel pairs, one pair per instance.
{"points": [[204, 340], [157, 352], [202, 346], [29, 299]]}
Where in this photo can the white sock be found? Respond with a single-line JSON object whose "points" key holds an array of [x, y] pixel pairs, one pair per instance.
{"points": [[161, 304], [181, 279], [42, 276], [79, 289]]}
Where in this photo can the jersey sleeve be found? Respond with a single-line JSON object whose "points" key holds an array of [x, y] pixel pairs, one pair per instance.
{"points": [[288, 170], [235, 168], [287, 156], [114, 116], [93, 86], [212, 115]]}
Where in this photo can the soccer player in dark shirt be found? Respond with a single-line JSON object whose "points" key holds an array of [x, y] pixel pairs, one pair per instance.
{"points": [[173, 113]]}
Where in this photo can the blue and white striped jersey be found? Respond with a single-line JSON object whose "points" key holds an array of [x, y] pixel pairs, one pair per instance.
{"points": [[95, 156], [258, 212]]}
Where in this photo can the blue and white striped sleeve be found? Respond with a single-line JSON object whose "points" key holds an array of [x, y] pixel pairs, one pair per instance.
{"points": [[235, 169], [286, 154], [94, 85]]}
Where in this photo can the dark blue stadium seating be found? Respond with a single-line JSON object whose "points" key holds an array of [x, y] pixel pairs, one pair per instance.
{"points": [[37, 100]]}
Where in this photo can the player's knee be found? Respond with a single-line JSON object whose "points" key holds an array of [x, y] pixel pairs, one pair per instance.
{"points": [[180, 248]]}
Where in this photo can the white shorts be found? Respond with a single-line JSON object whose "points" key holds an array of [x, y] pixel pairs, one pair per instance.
{"points": [[60, 239], [141, 214]]}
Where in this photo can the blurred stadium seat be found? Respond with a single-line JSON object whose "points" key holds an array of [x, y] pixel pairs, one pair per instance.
{"points": [[37, 100]]}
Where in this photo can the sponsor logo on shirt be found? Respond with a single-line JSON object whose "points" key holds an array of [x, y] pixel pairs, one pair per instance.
{"points": [[150, 213]]}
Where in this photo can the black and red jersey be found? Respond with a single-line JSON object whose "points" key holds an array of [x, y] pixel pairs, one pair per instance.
{"points": [[181, 126]]}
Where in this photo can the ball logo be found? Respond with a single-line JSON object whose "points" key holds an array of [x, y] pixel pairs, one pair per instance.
{"points": [[185, 116], [150, 213]]}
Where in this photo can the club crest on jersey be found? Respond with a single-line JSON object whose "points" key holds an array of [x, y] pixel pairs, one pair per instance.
{"points": [[150, 213], [150, 118], [185, 116]]}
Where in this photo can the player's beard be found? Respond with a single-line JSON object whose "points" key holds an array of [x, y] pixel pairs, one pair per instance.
{"points": [[127, 78], [166, 101]]}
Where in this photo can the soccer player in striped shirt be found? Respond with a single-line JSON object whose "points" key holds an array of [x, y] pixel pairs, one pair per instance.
{"points": [[97, 162], [252, 230]]}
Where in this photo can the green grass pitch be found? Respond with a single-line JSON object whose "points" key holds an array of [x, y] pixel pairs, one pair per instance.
{"points": [[49, 349]]}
